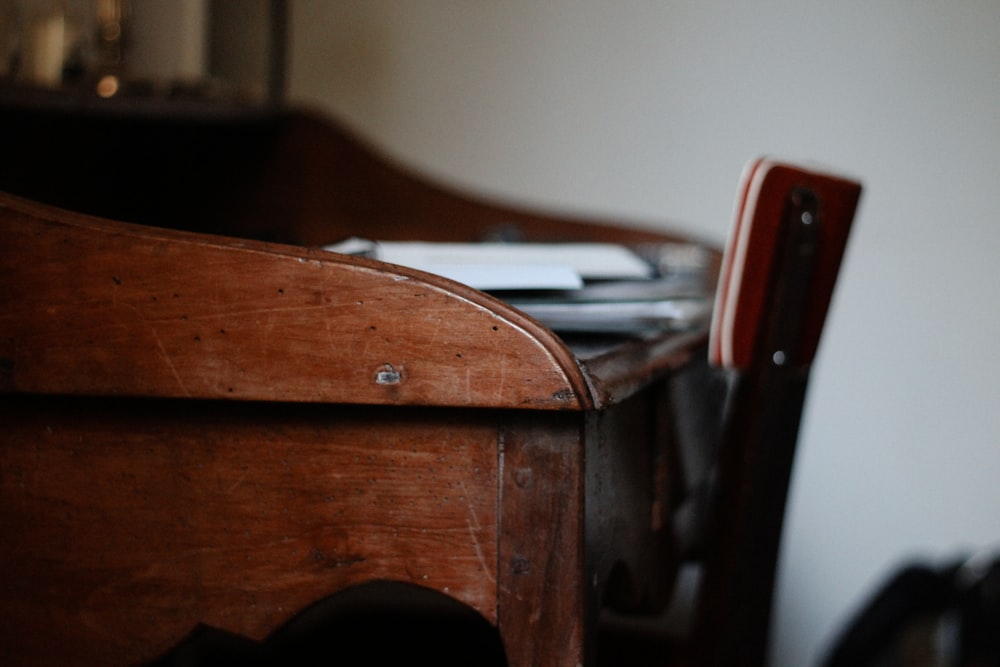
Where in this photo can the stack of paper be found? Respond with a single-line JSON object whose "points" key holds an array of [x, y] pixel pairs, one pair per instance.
{"points": [[570, 287]]}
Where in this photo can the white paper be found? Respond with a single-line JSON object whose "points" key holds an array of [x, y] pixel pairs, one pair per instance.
{"points": [[514, 266], [505, 276]]}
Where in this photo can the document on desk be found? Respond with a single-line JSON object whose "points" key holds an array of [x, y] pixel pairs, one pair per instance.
{"points": [[509, 266], [674, 303], [570, 287]]}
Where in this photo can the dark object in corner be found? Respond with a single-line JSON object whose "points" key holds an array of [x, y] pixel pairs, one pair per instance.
{"points": [[944, 616]]}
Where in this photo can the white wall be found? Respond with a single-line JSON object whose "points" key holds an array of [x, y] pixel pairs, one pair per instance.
{"points": [[648, 110]]}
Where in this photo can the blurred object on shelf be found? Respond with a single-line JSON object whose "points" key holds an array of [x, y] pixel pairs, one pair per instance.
{"points": [[161, 49]]}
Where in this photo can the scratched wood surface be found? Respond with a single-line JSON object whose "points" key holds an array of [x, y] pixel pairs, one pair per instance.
{"points": [[586, 501], [374, 422], [128, 522], [544, 610], [100, 308], [282, 175]]}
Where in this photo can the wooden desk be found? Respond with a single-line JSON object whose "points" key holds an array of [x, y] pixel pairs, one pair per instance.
{"points": [[201, 429]]}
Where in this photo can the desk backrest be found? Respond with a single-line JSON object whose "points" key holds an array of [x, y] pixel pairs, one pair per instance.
{"points": [[273, 174]]}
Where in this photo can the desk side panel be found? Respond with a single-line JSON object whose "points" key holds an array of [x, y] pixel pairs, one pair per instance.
{"points": [[88, 306], [129, 522]]}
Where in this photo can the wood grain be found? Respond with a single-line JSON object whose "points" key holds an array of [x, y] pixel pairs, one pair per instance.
{"points": [[95, 307], [129, 522], [204, 427], [544, 604]]}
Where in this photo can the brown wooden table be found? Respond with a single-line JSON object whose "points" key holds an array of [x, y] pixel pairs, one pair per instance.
{"points": [[200, 429]]}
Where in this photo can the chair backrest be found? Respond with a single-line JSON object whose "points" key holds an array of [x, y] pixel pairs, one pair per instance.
{"points": [[779, 269], [781, 262]]}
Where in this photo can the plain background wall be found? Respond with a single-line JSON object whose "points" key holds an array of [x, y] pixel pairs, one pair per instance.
{"points": [[647, 111]]}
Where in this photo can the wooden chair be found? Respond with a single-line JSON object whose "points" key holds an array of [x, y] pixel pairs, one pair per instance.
{"points": [[780, 266], [215, 432]]}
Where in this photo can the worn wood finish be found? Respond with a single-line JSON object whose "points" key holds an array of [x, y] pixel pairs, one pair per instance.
{"points": [[144, 518], [208, 429], [129, 522], [180, 510], [94, 307], [542, 572], [599, 484]]}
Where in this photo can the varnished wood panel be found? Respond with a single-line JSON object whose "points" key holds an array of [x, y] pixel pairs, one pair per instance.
{"points": [[207, 429], [126, 523], [94, 307], [541, 563]]}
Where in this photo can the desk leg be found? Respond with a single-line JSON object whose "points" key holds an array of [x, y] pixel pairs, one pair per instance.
{"points": [[542, 610]]}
